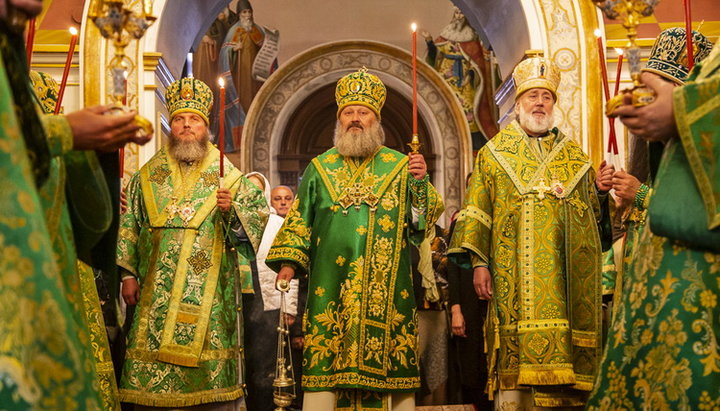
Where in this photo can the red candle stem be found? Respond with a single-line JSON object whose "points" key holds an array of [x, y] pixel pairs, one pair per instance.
{"points": [[603, 68], [221, 132], [617, 76], [414, 82], [63, 83], [30, 40], [121, 155], [689, 34]]}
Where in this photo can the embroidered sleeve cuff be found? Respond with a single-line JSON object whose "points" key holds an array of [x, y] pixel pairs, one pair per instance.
{"points": [[418, 192], [642, 197], [59, 134], [476, 261]]}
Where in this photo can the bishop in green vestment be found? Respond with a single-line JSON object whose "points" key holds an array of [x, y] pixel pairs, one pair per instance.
{"points": [[45, 357], [662, 350], [178, 240], [46, 354], [668, 59], [358, 207], [531, 227]]}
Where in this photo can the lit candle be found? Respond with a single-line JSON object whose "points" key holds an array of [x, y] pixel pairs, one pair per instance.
{"points": [[414, 79], [603, 68], [620, 53], [688, 34], [29, 41], [68, 60], [221, 129]]}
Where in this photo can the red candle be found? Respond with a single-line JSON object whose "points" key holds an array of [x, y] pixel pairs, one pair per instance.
{"points": [[688, 34], [603, 68], [612, 139], [619, 70], [68, 60], [30, 40], [221, 129], [121, 156], [414, 79]]}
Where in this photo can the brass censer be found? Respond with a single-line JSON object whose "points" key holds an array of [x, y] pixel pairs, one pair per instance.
{"points": [[284, 382]]}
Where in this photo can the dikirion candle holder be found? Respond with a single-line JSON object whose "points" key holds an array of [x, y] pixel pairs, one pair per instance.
{"points": [[630, 12], [120, 25]]}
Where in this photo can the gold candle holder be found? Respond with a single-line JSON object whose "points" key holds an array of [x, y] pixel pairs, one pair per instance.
{"points": [[120, 25], [630, 12], [415, 144]]}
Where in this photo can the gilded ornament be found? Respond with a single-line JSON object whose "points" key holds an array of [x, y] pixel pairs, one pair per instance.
{"points": [[199, 261], [536, 72], [360, 88]]}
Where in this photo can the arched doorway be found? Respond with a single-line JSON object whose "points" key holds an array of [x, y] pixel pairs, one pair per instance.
{"points": [[303, 80]]}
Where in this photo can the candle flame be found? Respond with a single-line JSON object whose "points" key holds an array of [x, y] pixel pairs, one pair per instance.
{"points": [[73, 31], [619, 51], [125, 74], [221, 82], [413, 27], [598, 33]]}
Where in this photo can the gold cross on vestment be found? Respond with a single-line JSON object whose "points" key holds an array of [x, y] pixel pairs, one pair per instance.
{"points": [[355, 195], [541, 188]]}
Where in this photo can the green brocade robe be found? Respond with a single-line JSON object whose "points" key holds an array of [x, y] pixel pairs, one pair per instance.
{"points": [[531, 214], [662, 351], [183, 346], [45, 353], [349, 230]]}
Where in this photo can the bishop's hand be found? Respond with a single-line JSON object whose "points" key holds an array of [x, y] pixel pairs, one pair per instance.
{"points": [[604, 179], [224, 201], [482, 281], [417, 166], [282, 281]]}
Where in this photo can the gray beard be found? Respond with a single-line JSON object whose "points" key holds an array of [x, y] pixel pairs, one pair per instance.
{"points": [[458, 30], [246, 23], [188, 151], [361, 145]]}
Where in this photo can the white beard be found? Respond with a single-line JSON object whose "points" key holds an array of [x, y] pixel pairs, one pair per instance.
{"points": [[246, 23], [188, 151], [458, 30], [535, 125], [363, 144]]}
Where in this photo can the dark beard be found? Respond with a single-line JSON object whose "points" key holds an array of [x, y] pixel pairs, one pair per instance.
{"points": [[363, 144]]}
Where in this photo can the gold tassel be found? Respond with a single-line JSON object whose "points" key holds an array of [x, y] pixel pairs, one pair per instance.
{"points": [[560, 376], [178, 399]]}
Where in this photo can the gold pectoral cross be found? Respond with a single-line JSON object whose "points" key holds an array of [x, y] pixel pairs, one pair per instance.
{"points": [[541, 188], [186, 212], [357, 194]]}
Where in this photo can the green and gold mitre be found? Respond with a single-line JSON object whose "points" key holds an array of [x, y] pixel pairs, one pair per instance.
{"points": [[668, 57], [46, 89], [189, 95], [360, 88]]}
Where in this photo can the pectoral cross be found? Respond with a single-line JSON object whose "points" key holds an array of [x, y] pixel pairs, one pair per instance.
{"points": [[355, 195], [541, 189]]}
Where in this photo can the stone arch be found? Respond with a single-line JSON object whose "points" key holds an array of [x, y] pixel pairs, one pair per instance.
{"points": [[448, 134]]}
